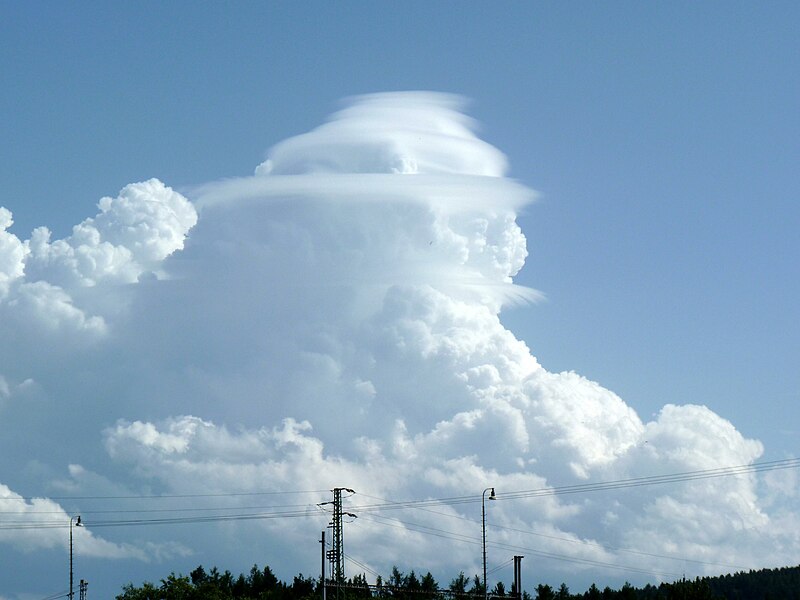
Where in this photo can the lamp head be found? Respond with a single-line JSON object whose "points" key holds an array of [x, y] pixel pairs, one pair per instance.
{"points": [[492, 496], [78, 522]]}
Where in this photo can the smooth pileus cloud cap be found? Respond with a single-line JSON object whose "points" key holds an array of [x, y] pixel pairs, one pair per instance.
{"points": [[404, 133]]}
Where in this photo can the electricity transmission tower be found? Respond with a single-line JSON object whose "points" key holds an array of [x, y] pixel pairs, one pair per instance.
{"points": [[336, 553]]}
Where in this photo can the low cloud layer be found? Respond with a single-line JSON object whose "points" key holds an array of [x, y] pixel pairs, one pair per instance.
{"points": [[334, 320]]}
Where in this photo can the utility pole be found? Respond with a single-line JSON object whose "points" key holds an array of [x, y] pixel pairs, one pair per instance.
{"points": [[77, 520], [322, 578], [518, 576], [483, 529]]}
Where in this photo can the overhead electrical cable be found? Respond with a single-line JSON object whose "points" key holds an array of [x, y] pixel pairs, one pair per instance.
{"points": [[166, 521], [163, 496], [586, 561], [681, 559], [362, 565], [619, 549], [500, 567], [151, 510], [578, 560], [441, 533], [58, 595], [792, 463]]}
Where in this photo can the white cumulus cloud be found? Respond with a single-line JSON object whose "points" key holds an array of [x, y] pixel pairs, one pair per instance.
{"points": [[131, 235], [335, 320], [21, 517]]}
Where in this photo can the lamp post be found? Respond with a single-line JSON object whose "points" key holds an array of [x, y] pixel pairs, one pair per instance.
{"points": [[483, 523], [77, 520]]}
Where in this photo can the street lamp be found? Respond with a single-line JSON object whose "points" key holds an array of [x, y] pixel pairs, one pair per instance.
{"points": [[483, 522], [77, 520]]}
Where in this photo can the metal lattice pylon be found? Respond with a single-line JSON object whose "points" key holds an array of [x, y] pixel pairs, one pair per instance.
{"points": [[337, 553]]}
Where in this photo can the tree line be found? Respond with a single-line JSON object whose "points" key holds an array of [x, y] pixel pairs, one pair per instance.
{"points": [[262, 584]]}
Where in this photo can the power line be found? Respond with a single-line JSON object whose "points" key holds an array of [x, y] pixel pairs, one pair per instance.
{"points": [[165, 521], [406, 526], [56, 595], [150, 510], [791, 463], [421, 528], [362, 565], [565, 539], [161, 496], [459, 537], [619, 549], [384, 505], [586, 561], [500, 567]]}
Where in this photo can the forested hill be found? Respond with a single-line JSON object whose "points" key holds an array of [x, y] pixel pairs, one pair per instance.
{"points": [[772, 584], [766, 584]]}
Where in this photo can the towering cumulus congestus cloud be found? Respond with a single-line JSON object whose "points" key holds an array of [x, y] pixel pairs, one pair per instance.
{"points": [[349, 294], [334, 320]]}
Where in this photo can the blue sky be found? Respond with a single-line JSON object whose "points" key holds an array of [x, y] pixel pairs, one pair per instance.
{"points": [[661, 138]]}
